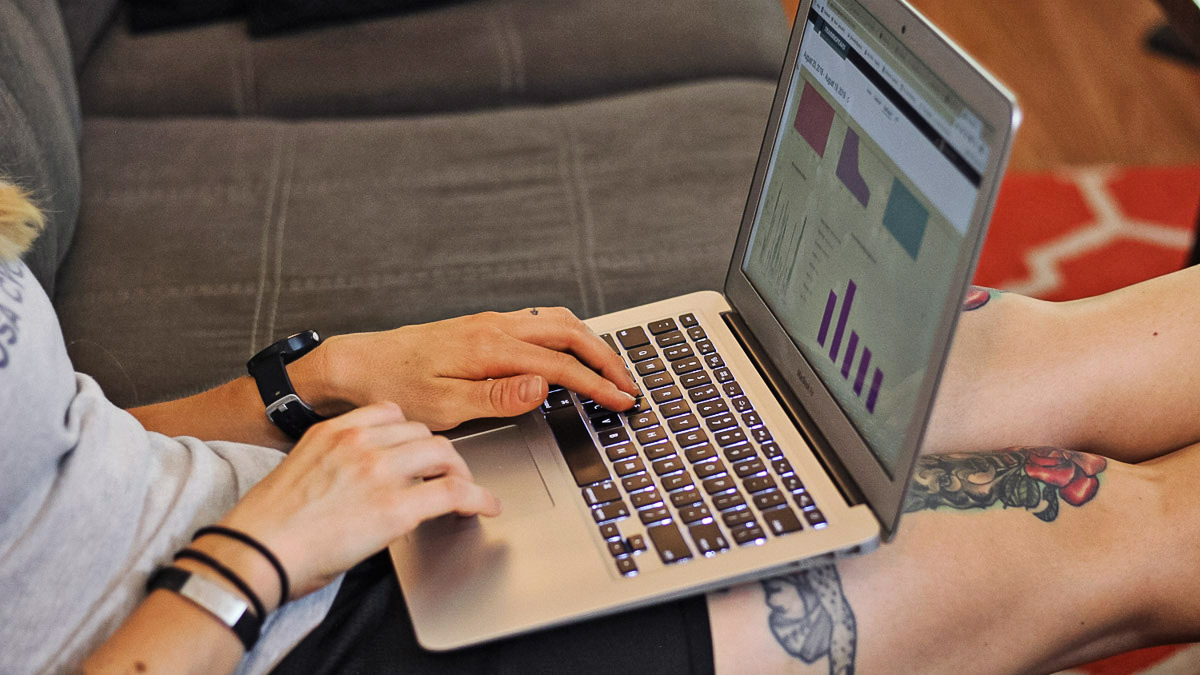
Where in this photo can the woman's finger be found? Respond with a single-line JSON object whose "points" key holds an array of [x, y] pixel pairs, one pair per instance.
{"points": [[430, 457], [449, 494], [516, 357]]}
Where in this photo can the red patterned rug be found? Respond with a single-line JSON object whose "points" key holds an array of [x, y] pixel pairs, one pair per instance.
{"points": [[1080, 232]]}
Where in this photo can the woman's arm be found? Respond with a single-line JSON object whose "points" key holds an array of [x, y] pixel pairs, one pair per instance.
{"points": [[351, 486], [441, 374]]}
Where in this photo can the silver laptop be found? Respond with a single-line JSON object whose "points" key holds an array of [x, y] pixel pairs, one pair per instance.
{"points": [[780, 419]]}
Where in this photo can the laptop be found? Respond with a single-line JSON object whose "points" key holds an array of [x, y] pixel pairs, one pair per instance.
{"points": [[780, 419]]}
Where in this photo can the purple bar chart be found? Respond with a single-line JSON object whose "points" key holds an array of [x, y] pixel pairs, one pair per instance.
{"points": [[852, 344]]}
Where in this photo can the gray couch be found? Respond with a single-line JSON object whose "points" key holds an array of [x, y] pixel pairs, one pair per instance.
{"points": [[209, 193]]}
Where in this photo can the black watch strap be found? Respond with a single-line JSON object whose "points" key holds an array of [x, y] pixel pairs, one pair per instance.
{"points": [[227, 607], [269, 369]]}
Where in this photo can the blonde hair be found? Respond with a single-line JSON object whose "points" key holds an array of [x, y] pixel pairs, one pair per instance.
{"points": [[20, 221]]}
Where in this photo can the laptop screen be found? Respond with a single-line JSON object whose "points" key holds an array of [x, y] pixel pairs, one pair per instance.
{"points": [[872, 183]]}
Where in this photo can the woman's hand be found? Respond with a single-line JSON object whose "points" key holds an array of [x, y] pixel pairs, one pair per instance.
{"points": [[351, 486], [484, 365]]}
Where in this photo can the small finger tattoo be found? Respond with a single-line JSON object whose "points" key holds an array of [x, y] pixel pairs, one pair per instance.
{"points": [[533, 311]]}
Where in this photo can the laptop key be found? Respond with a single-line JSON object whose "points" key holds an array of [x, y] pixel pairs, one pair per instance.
{"points": [[669, 465], [723, 375], [740, 517], [761, 434], [603, 422], [670, 339], [640, 405], [719, 484], [792, 483], [815, 518], [771, 450], [714, 360], [601, 493], [759, 483], [749, 468], [629, 466], [650, 367], [690, 438], [736, 453], [607, 437], [651, 435], [719, 422], [677, 481], [732, 389], [674, 408], [626, 566], [749, 535], [635, 543], [621, 451], [769, 500], [697, 333], [613, 511], [557, 399], [669, 543], [677, 352], [710, 408], [642, 353], [729, 437], [688, 320], [609, 531], [742, 404], [729, 500], [654, 515], [632, 338], [699, 453], [692, 514], [657, 380], [643, 421], [687, 365], [708, 538], [701, 394], [781, 521], [688, 497], [663, 326], [696, 379], [612, 344], [644, 499], [658, 450], [683, 423], [804, 500], [710, 469], [782, 466], [706, 347], [751, 420], [666, 394], [593, 409], [577, 447], [617, 547], [636, 483]]}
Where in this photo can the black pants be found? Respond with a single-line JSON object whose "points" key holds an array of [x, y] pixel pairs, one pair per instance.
{"points": [[368, 631]]}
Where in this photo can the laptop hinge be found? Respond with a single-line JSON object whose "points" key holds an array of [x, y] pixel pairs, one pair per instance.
{"points": [[802, 420]]}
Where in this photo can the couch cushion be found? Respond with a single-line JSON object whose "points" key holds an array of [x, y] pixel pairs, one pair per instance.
{"points": [[460, 56], [85, 21], [203, 240], [39, 123]]}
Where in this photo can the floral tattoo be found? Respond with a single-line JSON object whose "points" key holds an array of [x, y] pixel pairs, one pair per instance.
{"points": [[1031, 478], [978, 296], [811, 619]]}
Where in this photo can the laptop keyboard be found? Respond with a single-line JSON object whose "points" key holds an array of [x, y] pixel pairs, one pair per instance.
{"points": [[691, 464]]}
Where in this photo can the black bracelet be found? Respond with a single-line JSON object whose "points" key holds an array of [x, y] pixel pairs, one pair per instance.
{"points": [[230, 576], [224, 605], [284, 589]]}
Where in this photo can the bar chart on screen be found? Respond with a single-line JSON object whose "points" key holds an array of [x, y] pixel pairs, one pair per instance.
{"points": [[852, 344]]}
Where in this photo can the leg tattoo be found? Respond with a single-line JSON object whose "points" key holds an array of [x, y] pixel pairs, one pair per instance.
{"points": [[811, 618], [1032, 478]]}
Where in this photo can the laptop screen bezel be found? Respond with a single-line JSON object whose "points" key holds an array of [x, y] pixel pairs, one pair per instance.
{"points": [[990, 101]]}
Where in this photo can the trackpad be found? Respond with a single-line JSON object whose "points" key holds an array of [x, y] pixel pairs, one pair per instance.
{"points": [[500, 461]]}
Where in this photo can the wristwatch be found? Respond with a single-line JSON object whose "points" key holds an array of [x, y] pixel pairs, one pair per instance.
{"points": [[269, 370]]}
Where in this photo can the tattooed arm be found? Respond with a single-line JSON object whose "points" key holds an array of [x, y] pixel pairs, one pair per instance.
{"points": [[985, 576], [1117, 374]]}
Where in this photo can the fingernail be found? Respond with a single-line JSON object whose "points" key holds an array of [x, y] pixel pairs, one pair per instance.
{"points": [[631, 397], [531, 388]]}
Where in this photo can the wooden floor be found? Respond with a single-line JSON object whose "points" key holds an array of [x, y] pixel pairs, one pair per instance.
{"points": [[1090, 90]]}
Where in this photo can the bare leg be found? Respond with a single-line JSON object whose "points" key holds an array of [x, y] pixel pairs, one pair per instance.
{"points": [[990, 590], [1118, 374]]}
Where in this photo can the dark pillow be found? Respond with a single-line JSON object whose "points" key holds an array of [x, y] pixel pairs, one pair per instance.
{"points": [[146, 15], [273, 16]]}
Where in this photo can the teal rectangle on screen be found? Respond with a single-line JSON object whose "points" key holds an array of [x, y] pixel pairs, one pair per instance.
{"points": [[905, 218]]}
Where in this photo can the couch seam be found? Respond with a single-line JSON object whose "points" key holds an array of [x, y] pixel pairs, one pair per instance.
{"points": [[284, 199], [506, 68], [264, 241], [517, 53], [564, 171], [587, 225]]}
